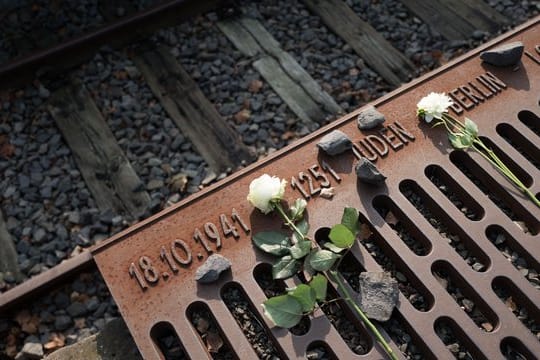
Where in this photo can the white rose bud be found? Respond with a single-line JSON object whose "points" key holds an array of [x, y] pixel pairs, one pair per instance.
{"points": [[264, 191], [434, 105]]}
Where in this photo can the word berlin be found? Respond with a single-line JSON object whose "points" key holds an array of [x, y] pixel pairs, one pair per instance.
{"points": [[475, 92]]}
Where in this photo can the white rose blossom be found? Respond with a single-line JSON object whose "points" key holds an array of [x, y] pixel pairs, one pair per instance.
{"points": [[264, 191], [433, 106]]}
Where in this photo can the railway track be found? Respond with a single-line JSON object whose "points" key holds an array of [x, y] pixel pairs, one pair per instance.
{"points": [[143, 124]]}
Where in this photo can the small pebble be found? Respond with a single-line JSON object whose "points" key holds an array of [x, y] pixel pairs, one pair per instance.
{"points": [[505, 55], [368, 173], [335, 143], [369, 119]]}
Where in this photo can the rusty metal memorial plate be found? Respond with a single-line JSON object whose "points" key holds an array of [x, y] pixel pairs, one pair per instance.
{"points": [[150, 267]]}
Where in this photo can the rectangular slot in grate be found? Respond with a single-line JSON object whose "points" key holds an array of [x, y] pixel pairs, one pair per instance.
{"points": [[461, 241]]}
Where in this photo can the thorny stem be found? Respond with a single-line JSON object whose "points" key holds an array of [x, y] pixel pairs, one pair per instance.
{"points": [[446, 126], [319, 306], [453, 121], [342, 256], [501, 166], [288, 221], [344, 290], [363, 317], [488, 154]]}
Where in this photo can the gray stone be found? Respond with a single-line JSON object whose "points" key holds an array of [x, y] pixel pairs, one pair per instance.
{"points": [[62, 322], [26, 265], [174, 198], [32, 350], [100, 310], [9, 191], [504, 55], [44, 92], [36, 269], [61, 232], [39, 235], [23, 247], [468, 305], [43, 148], [454, 348], [113, 342], [117, 220], [106, 216], [478, 35], [92, 304], [212, 268], [335, 143], [369, 119], [24, 181], [211, 176], [74, 217], [61, 300], [155, 184], [132, 71], [46, 192], [76, 309], [400, 277], [27, 230], [154, 162], [378, 295], [368, 173], [501, 238], [9, 277], [85, 217], [478, 266]]}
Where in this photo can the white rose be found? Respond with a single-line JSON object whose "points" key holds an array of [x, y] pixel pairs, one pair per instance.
{"points": [[264, 191], [433, 106]]}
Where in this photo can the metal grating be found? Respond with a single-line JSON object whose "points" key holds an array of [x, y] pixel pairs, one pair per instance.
{"points": [[446, 224]]}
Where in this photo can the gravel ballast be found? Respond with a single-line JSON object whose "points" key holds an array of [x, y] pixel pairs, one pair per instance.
{"points": [[49, 210]]}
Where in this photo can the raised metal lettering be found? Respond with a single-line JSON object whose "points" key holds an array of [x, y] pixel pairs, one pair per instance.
{"points": [[461, 99], [378, 144], [180, 244], [367, 147], [390, 137], [212, 232], [400, 131]]}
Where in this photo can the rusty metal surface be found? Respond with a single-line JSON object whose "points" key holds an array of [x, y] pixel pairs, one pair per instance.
{"points": [[405, 158]]}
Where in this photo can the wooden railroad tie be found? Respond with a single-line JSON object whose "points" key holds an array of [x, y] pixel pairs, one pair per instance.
{"points": [[104, 166]]}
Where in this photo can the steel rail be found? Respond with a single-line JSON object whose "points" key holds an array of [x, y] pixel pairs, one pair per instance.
{"points": [[78, 49]]}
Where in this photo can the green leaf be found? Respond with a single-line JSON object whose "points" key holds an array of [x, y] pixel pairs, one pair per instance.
{"points": [[466, 140], [284, 310], [455, 141], [272, 242], [305, 295], [297, 209], [471, 127], [350, 219], [300, 249], [322, 260], [333, 247], [341, 236], [286, 267], [303, 226], [319, 283], [460, 141]]}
